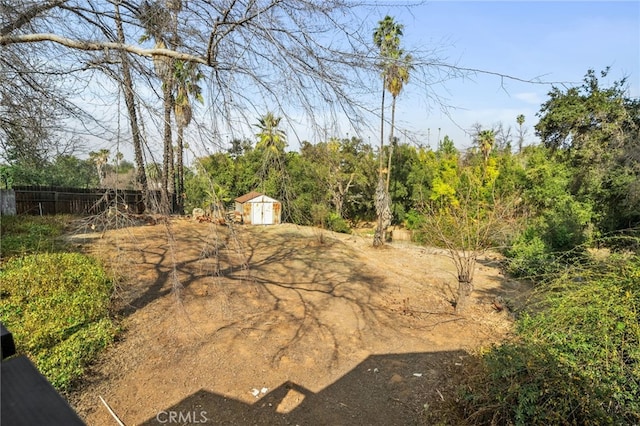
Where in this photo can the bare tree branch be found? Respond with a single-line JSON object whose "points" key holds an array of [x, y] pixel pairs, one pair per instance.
{"points": [[29, 15], [102, 45]]}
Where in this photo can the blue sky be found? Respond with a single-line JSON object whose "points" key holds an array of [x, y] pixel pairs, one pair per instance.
{"points": [[552, 41]]}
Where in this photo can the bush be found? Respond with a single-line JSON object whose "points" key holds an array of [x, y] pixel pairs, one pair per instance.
{"points": [[415, 221], [57, 307], [30, 234], [576, 361], [529, 257], [337, 224]]}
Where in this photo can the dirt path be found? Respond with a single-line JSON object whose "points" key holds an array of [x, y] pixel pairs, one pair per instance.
{"points": [[322, 327]]}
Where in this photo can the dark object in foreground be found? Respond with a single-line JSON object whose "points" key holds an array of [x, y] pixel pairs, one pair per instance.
{"points": [[26, 397], [8, 347]]}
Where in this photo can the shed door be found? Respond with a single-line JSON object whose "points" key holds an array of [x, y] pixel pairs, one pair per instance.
{"points": [[262, 214]]}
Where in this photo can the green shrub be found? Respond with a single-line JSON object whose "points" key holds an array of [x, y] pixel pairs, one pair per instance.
{"points": [[576, 361], [415, 221], [57, 307], [567, 225], [337, 224], [65, 362], [529, 257], [21, 235]]}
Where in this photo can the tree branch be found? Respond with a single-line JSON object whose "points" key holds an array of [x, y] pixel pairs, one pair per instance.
{"points": [[502, 76], [95, 46], [28, 15]]}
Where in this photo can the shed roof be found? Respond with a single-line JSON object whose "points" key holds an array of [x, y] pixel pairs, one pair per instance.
{"points": [[246, 197]]}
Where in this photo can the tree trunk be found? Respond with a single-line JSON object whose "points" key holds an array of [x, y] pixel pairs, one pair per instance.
{"points": [[464, 296], [383, 212], [393, 125], [378, 237], [167, 154], [180, 171], [129, 99], [381, 153]]}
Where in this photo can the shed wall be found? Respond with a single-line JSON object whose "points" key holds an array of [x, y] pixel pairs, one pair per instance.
{"points": [[260, 210]]}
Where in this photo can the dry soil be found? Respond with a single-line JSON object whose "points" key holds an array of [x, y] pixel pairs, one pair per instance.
{"points": [[281, 325]]}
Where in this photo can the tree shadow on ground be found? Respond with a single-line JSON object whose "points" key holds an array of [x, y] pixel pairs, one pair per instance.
{"points": [[389, 389], [282, 307]]}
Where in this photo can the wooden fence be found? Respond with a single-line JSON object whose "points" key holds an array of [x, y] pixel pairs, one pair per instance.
{"points": [[39, 200]]}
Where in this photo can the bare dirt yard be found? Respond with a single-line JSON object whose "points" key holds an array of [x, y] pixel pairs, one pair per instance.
{"points": [[281, 325]]}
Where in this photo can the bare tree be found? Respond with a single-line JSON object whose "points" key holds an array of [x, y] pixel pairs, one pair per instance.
{"points": [[33, 101], [257, 55], [479, 219]]}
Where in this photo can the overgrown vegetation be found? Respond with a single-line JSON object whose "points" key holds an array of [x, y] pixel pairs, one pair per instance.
{"points": [[577, 356], [33, 234], [56, 304]]}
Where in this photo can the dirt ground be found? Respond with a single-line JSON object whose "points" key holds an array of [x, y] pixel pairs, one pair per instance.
{"points": [[281, 325]]}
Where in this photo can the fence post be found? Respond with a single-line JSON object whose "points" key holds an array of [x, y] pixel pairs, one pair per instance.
{"points": [[7, 202], [55, 202]]}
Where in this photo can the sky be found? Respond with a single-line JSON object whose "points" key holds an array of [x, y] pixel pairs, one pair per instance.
{"points": [[543, 40]]}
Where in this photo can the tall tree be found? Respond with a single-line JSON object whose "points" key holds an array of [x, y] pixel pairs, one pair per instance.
{"points": [[486, 141], [244, 58], [595, 130], [397, 76], [271, 144], [186, 76], [129, 98], [521, 131], [157, 19], [100, 159], [270, 138], [387, 38], [338, 167]]}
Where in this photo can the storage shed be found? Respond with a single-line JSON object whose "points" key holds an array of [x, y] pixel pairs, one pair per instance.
{"points": [[255, 208]]}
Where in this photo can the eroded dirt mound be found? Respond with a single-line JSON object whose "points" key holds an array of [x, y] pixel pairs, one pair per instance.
{"points": [[281, 325]]}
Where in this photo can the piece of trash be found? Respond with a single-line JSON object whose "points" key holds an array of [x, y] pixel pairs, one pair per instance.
{"points": [[417, 374], [264, 390], [458, 363], [255, 392], [375, 370]]}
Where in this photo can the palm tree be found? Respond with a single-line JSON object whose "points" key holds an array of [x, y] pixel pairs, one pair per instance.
{"points": [[397, 77], [158, 20], [129, 99], [272, 142], [271, 139], [100, 158], [186, 77], [387, 38], [520, 121], [486, 140]]}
